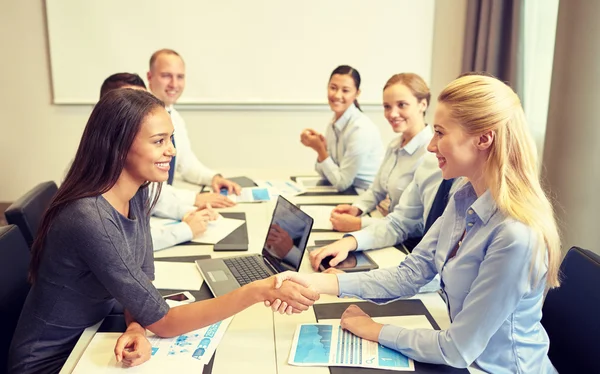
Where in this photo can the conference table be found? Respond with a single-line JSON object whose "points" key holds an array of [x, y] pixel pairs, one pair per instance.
{"points": [[258, 340]]}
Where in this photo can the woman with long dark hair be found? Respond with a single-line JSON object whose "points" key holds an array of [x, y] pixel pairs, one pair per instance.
{"points": [[94, 246]]}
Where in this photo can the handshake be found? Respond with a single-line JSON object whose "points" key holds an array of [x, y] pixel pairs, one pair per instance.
{"points": [[290, 292]]}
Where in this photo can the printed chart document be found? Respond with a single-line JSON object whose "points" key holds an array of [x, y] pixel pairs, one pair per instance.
{"points": [[185, 353], [252, 195], [282, 187], [320, 214], [327, 344], [176, 276]]}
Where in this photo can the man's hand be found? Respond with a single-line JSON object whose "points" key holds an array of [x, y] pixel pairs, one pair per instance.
{"points": [[198, 220], [360, 323], [219, 182], [345, 222], [132, 347], [216, 200]]}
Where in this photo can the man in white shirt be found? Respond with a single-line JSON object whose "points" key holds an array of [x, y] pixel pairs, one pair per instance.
{"points": [[166, 79], [173, 203]]}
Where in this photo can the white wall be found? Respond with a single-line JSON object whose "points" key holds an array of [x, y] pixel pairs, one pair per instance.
{"points": [[39, 139], [238, 51]]}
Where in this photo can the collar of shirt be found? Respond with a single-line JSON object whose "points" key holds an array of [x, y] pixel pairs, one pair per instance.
{"points": [[422, 138], [343, 121], [169, 108], [482, 207]]}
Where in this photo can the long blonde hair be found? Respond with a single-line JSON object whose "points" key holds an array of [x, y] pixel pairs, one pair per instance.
{"points": [[481, 104]]}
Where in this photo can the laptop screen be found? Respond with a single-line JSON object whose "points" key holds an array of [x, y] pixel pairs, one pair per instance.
{"points": [[287, 236]]}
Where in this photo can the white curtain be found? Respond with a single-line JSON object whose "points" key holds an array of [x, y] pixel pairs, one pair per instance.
{"points": [[539, 31]]}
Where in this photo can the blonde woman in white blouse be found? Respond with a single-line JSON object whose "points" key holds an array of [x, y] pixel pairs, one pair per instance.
{"points": [[405, 101]]}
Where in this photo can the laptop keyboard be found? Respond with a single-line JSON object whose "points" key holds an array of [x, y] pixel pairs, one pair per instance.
{"points": [[247, 269]]}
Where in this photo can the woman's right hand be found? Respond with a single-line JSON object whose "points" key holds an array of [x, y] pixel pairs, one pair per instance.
{"points": [[339, 250]]}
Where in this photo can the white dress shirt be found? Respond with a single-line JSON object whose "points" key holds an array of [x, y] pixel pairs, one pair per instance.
{"points": [[409, 215], [186, 162], [394, 175], [172, 203], [355, 151]]}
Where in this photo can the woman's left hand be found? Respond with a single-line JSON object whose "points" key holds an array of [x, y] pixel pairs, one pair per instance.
{"points": [[133, 348], [360, 323]]}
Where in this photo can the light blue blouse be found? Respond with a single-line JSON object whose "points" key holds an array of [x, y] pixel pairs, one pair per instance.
{"points": [[494, 295], [395, 173], [355, 151]]}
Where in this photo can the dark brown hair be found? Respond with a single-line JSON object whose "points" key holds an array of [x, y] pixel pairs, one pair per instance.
{"points": [[120, 80], [100, 159], [348, 70]]}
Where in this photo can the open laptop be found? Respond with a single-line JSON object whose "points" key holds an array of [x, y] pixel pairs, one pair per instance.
{"points": [[283, 250]]}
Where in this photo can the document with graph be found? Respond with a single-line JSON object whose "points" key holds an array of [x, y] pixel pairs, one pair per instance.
{"points": [[327, 344]]}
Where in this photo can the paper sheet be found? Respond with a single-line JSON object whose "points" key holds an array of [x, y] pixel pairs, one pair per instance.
{"points": [[219, 229], [282, 187], [176, 276], [327, 344], [320, 214], [185, 353]]}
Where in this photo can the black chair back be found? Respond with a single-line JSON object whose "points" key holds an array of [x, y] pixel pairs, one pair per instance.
{"points": [[27, 211], [14, 264], [571, 314]]}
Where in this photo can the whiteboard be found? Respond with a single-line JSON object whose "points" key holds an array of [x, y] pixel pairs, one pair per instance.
{"points": [[239, 51]]}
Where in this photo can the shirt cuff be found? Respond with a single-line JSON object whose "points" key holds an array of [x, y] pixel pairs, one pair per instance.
{"points": [[362, 206], [363, 239], [348, 285], [366, 221], [206, 178], [326, 165], [388, 336], [177, 233]]}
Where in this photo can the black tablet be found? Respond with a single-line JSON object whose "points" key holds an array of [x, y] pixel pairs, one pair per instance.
{"points": [[356, 261]]}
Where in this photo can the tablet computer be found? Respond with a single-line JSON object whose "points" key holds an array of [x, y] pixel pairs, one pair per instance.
{"points": [[356, 261]]}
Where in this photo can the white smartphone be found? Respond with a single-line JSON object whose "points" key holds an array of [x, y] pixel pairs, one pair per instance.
{"points": [[181, 297]]}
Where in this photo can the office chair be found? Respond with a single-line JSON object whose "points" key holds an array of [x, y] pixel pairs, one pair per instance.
{"points": [[14, 264], [571, 314], [27, 211]]}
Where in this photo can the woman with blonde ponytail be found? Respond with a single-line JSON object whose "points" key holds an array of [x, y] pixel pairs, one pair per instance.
{"points": [[496, 247]]}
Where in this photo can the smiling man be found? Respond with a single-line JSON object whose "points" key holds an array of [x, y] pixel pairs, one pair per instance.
{"points": [[166, 79]]}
